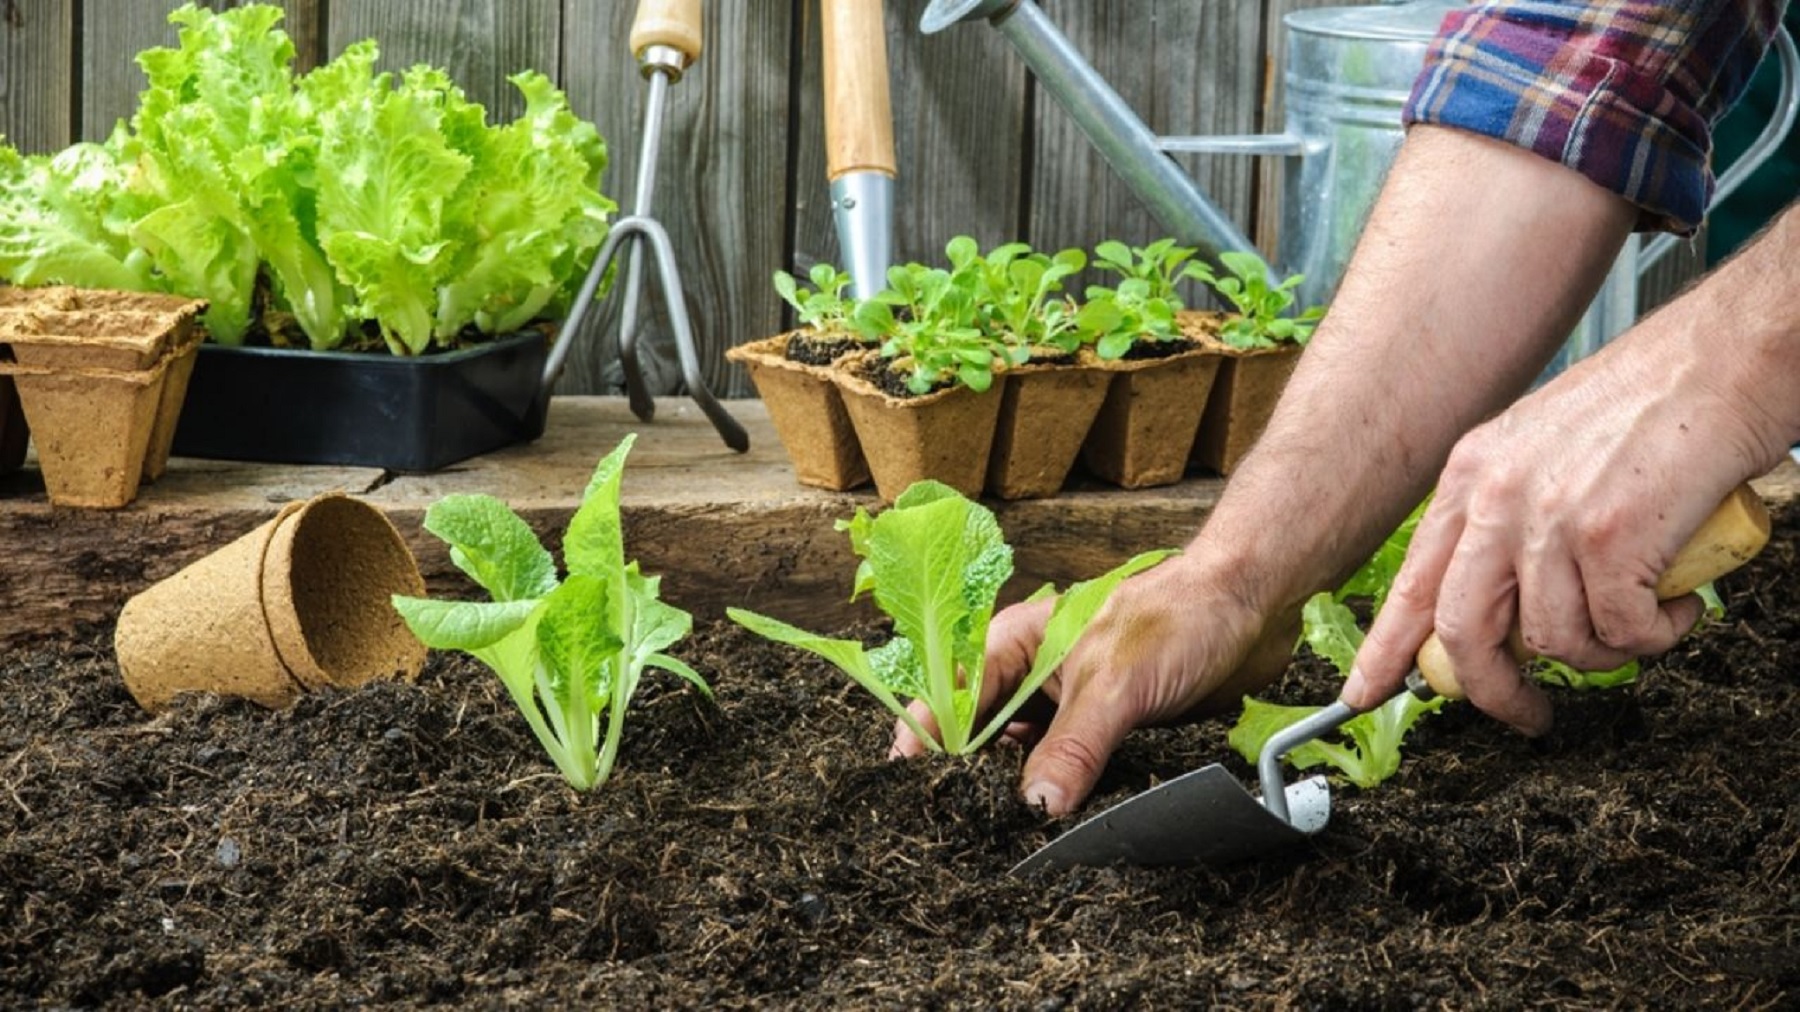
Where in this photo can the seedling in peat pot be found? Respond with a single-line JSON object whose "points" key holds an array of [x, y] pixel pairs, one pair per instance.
{"points": [[568, 651]]}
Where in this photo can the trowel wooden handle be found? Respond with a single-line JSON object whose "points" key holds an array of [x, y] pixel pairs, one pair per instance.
{"points": [[859, 118], [1730, 537], [673, 23]]}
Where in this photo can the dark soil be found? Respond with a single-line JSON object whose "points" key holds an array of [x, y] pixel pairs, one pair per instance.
{"points": [[408, 845], [890, 375], [812, 349], [1145, 350]]}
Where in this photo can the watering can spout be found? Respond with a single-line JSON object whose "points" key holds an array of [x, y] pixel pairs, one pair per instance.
{"points": [[1129, 147]]}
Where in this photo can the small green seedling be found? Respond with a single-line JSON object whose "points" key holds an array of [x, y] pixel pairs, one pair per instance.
{"points": [[1141, 308], [935, 562], [569, 651], [1259, 322], [822, 308], [927, 319]]}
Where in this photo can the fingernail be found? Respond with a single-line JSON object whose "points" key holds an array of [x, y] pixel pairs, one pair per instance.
{"points": [[1353, 688], [1042, 793]]}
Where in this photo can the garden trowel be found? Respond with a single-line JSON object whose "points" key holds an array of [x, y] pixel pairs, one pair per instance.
{"points": [[1208, 817]]}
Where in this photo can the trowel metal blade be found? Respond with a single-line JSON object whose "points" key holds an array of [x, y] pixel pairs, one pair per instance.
{"points": [[1203, 817]]}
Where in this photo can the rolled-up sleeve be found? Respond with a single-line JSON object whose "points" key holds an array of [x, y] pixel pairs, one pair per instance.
{"points": [[1625, 92]]}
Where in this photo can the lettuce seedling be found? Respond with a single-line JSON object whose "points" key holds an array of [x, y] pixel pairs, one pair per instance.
{"points": [[1258, 322], [1015, 293], [934, 563], [1142, 308], [569, 651], [821, 308], [1372, 753], [1115, 320], [926, 318]]}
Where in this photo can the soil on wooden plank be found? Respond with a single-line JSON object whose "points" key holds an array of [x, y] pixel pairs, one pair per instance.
{"points": [[408, 845]]}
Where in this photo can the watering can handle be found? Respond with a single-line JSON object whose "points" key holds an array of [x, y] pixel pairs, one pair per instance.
{"points": [[672, 23], [1787, 106], [1730, 537]]}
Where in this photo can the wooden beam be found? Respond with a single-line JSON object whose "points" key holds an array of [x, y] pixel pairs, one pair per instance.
{"points": [[722, 528]]}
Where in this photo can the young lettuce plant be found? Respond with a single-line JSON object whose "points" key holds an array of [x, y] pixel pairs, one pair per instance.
{"points": [[1259, 322], [935, 562], [1015, 293], [569, 651], [926, 320], [1372, 753], [1142, 308], [823, 307]]}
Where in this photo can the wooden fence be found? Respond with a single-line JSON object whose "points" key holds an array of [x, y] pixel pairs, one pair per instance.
{"points": [[741, 179]]}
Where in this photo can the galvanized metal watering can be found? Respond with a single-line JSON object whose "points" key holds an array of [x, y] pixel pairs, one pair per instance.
{"points": [[1348, 71]]}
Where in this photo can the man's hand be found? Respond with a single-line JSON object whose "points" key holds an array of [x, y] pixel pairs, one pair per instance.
{"points": [[1559, 515], [1167, 645]]}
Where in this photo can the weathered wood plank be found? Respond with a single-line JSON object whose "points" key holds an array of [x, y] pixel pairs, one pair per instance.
{"points": [[37, 74], [1185, 68], [721, 189], [959, 138], [479, 43], [722, 528], [113, 32]]}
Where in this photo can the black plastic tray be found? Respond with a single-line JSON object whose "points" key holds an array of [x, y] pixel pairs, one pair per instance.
{"points": [[372, 410]]}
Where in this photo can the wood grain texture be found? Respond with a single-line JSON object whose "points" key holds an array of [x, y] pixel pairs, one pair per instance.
{"points": [[113, 32], [1185, 68], [37, 74], [722, 528], [721, 185], [480, 43], [959, 137]]}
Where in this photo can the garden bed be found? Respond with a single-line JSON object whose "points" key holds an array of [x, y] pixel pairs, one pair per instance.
{"points": [[410, 845]]}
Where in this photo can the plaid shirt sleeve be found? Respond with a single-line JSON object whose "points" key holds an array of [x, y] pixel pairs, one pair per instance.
{"points": [[1623, 91]]}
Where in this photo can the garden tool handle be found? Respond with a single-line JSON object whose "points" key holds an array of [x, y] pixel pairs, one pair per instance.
{"points": [[671, 23], [1730, 537], [859, 122]]}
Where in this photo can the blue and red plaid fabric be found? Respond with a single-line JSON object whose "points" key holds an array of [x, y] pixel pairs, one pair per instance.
{"points": [[1623, 91]]}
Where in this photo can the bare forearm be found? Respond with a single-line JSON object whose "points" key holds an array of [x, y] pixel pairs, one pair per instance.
{"points": [[1477, 261], [1736, 338]]}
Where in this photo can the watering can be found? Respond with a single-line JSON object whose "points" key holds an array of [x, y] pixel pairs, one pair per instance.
{"points": [[1348, 72]]}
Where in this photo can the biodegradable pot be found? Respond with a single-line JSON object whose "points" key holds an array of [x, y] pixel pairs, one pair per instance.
{"points": [[424, 413], [946, 435], [808, 413], [299, 603], [92, 428], [72, 330], [1145, 429], [1046, 413], [1243, 398], [15, 435]]}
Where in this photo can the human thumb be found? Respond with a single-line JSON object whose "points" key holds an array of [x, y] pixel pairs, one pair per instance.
{"points": [[1065, 765]]}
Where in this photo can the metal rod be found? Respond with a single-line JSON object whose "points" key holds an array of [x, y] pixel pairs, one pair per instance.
{"points": [[863, 204], [636, 385], [1268, 765], [1236, 144], [1129, 146]]}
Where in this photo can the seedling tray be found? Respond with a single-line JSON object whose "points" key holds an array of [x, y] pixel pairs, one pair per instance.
{"points": [[372, 410]]}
